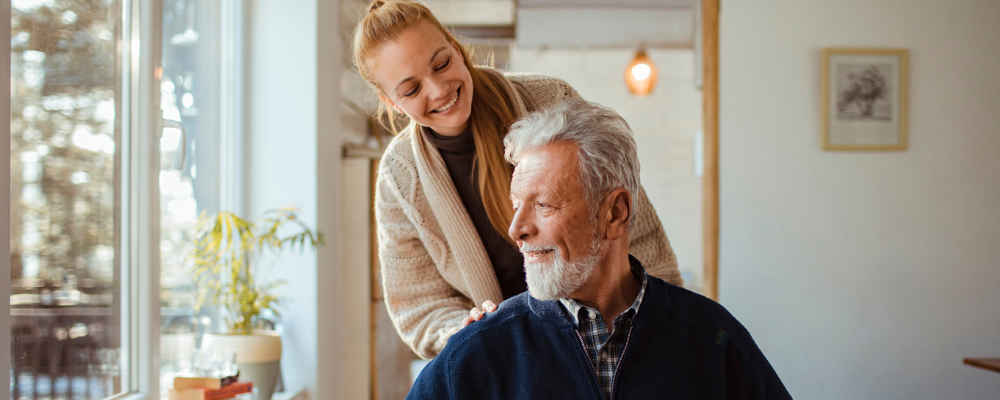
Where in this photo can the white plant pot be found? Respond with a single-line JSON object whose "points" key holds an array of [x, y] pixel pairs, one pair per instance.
{"points": [[258, 357]]}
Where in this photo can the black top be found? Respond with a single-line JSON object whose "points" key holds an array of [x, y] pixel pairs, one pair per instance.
{"points": [[459, 153]]}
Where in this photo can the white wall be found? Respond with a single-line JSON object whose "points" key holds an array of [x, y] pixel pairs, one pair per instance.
{"points": [[863, 275], [283, 66], [664, 125]]}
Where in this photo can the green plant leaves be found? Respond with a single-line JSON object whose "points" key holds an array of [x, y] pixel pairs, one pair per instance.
{"points": [[225, 250]]}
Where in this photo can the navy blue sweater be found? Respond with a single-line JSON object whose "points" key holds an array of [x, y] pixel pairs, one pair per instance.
{"points": [[682, 346]]}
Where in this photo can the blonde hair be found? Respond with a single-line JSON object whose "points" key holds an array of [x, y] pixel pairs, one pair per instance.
{"points": [[492, 112]]}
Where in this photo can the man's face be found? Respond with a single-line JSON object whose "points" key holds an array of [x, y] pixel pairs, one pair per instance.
{"points": [[551, 222]]}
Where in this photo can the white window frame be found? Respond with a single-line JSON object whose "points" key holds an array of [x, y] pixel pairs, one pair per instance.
{"points": [[232, 105], [5, 194], [140, 165]]}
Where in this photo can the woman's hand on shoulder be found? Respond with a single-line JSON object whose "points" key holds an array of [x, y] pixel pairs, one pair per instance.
{"points": [[476, 314]]}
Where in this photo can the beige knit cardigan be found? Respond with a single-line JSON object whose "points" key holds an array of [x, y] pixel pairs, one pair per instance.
{"points": [[434, 266]]}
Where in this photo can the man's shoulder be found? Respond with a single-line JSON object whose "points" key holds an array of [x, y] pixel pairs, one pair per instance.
{"points": [[705, 340], [514, 352], [689, 307], [697, 318], [509, 316]]}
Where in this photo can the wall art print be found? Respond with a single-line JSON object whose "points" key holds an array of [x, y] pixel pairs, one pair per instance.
{"points": [[864, 99]]}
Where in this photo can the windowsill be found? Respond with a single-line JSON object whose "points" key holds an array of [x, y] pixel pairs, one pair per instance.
{"points": [[299, 395]]}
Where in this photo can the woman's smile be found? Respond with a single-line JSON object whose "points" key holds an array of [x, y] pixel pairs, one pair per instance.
{"points": [[448, 106]]}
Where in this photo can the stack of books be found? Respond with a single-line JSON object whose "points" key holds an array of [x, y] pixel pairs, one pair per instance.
{"points": [[187, 387]]}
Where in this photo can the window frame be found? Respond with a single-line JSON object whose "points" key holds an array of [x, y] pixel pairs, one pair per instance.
{"points": [[232, 104], [140, 165], [5, 13]]}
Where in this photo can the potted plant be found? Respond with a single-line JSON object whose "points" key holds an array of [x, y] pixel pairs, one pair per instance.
{"points": [[226, 252]]}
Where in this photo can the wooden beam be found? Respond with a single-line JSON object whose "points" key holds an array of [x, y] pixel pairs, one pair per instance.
{"points": [[710, 181]]}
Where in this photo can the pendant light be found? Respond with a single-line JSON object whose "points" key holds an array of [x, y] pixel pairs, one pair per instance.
{"points": [[640, 75]]}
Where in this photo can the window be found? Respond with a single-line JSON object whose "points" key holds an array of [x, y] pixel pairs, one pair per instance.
{"points": [[66, 316], [99, 232]]}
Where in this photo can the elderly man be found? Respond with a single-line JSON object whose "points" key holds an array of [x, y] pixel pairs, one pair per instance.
{"points": [[593, 324]]}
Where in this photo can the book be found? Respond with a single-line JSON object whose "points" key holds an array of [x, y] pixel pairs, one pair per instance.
{"points": [[224, 392], [205, 382]]}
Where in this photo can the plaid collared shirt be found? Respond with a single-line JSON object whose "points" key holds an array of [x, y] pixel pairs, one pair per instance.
{"points": [[603, 348]]}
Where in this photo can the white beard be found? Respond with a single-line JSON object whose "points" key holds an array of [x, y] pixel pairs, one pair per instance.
{"points": [[559, 278]]}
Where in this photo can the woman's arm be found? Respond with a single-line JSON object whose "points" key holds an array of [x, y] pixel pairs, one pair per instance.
{"points": [[424, 308], [648, 242]]}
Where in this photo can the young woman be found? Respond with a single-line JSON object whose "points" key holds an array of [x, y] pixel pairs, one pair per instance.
{"points": [[442, 198]]}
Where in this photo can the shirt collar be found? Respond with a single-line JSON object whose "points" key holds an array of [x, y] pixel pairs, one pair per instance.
{"points": [[573, 307]]}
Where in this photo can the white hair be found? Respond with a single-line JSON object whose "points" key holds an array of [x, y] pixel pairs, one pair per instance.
{"points": [[604, 142]]}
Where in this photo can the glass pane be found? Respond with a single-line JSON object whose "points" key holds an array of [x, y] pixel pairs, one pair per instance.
{"points": [[65, 303], [190, 94]]}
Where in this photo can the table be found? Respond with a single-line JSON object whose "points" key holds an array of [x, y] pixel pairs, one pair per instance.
{"points": [[991, 364]]}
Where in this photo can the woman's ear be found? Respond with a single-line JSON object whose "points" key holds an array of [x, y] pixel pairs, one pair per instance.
{"points": [[385, 99]]}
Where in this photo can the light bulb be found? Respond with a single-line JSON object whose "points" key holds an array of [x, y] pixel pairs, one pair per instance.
{"points": [[641, 71], [640, 74]]}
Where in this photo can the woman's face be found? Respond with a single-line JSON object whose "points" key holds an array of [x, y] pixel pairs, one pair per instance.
{"points": [[424, 76]]}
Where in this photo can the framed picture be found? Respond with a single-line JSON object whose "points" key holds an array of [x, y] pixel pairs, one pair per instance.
{"points": [[864, 99]]}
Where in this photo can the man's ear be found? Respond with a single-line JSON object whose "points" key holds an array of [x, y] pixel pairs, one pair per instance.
{"points": [[619, 209]]}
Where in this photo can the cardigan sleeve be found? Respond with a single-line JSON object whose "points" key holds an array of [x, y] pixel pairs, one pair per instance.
{"points": [[424, 308], [649, 244]]}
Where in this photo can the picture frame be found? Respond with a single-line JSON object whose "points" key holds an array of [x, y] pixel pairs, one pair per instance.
{"points": [[865, 92]]}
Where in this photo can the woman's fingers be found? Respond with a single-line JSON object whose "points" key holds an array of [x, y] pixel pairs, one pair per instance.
{"points": [[476, 314]]}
